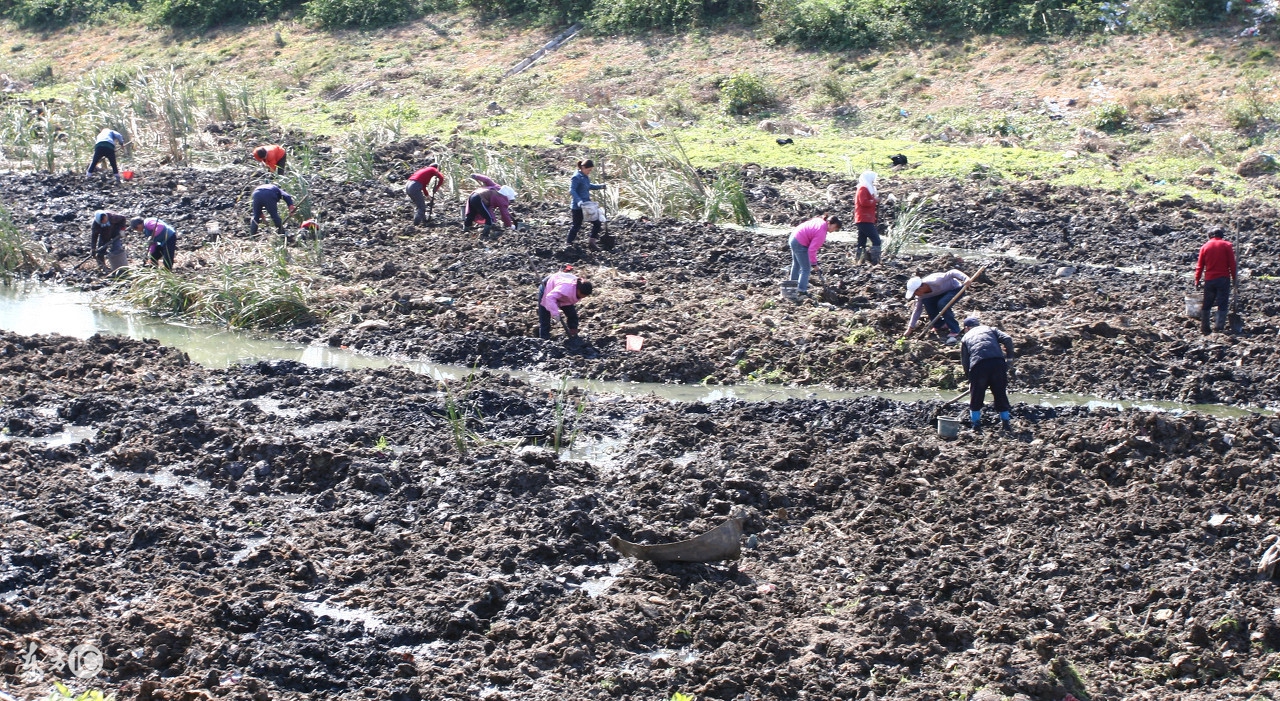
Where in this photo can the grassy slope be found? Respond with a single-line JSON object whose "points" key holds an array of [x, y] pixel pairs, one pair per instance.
{"points": [[438, 76]]}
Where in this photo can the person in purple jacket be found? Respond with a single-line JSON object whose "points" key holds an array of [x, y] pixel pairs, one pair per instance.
{"points": [[558, 294], [483, 202], [805, 242]]}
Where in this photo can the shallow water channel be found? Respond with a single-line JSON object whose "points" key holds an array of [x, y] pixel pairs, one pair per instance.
{"points": [[37, 309]]}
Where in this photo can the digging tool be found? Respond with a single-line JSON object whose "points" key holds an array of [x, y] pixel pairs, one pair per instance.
{"points": [[724, 542], [1234, 318], [431, 208], [607, 242], [959, 294], [101, 250], [570, 341], [938, 411]]}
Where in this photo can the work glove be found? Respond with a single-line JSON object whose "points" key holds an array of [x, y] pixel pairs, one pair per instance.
{"points": [[293, 208]]}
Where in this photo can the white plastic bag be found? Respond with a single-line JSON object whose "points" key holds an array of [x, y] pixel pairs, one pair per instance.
{"points": [[592, 211]]}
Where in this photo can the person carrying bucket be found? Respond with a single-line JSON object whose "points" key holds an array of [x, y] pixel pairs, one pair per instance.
{"points": [[105, 147], [559, 293], [273, 157], [804, 243], [1217, 263], [266, 198], [484, 201], [580, 188], [162, 240], [984, 356], [864, 218], [932, 294], [417, 186], [105, 233]]}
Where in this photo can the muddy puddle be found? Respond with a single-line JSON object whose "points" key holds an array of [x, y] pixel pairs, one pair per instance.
{"points": [[38, 309]]}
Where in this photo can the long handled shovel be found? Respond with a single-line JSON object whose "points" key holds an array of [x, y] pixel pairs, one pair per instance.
{"points": [[954, 299]]}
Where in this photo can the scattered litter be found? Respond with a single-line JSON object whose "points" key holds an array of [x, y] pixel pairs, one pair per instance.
{"points": [[634, 343], [767, 589], [1218, 519]]}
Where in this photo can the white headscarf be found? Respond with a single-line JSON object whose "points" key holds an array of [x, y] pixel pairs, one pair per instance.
{"points": [[868, 180]]}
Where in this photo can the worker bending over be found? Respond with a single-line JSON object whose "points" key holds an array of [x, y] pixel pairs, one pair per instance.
{"points": [[560, 292], [272, 157], [105, 147], [484, 201], [417, 186], [266, 198], [985, 365], [932, 294], [104, 233], [162, 240]]}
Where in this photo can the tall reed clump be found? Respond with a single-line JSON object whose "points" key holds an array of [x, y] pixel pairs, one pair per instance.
{"points": [[517, 168], [18, 254], [656, 176], [237, 292], [910, 223]]}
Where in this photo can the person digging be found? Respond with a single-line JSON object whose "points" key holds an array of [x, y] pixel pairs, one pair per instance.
{"points": [[162, 241], [266, 198], [273, 157], [985, 353], [560, 293], [105, 233], [1217, 264], [934, 293], [417, 187], [804, 243], [484, 201], [105, 147]]}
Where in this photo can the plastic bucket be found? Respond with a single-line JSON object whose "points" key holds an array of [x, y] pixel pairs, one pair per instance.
{"points": [[1194, 304], [117, 260], [790, 289], [949, 428]]}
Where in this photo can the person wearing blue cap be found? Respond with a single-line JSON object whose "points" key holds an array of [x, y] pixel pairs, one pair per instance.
{"points": [[984, 355]]}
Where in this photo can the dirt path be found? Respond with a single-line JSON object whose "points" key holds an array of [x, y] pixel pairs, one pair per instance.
{"points": [[273, 531]]}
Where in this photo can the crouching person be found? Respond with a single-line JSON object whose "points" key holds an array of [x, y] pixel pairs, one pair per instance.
{"points": [[560, 293], [162, 241]]}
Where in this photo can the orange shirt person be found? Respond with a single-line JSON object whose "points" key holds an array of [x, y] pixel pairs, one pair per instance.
{"points": [[271, 156]]}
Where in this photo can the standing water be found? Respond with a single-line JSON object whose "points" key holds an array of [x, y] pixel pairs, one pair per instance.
{"points": [[39, 309]]}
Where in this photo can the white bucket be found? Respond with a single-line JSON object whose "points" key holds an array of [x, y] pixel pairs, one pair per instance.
{"points": [[790, 289], [949, 428], [1194, 304]]}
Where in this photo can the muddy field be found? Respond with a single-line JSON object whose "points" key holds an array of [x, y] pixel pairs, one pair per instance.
{"points": [[705, 298], [278, 532]]}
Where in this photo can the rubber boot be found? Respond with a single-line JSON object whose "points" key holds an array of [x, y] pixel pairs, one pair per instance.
{"points": [[975, 419], [488, 230], [874, 255], [1005, 421], [859, 255]]}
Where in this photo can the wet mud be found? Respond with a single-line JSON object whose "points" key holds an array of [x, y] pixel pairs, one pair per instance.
{"points": [[706, 298], [277, 532]]}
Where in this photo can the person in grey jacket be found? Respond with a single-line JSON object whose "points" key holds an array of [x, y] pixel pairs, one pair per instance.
{"points": [[932, 294], [984, 355]]}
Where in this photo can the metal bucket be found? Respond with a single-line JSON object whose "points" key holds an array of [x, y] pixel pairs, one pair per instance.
{"points": [[949, 428], [1194, 304]]}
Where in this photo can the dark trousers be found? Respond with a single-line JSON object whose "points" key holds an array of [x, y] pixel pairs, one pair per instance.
{"points": [[415, 191], [993, 373], [1217, 292], [164, 252], [867, 232], [101, 151], [948, 320], [476, 209], [544, 316], [100, 237], [578, 219], [265, 202]]}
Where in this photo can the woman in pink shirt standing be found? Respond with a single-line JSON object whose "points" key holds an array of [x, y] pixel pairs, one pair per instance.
{"points": [[805, 242]]}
